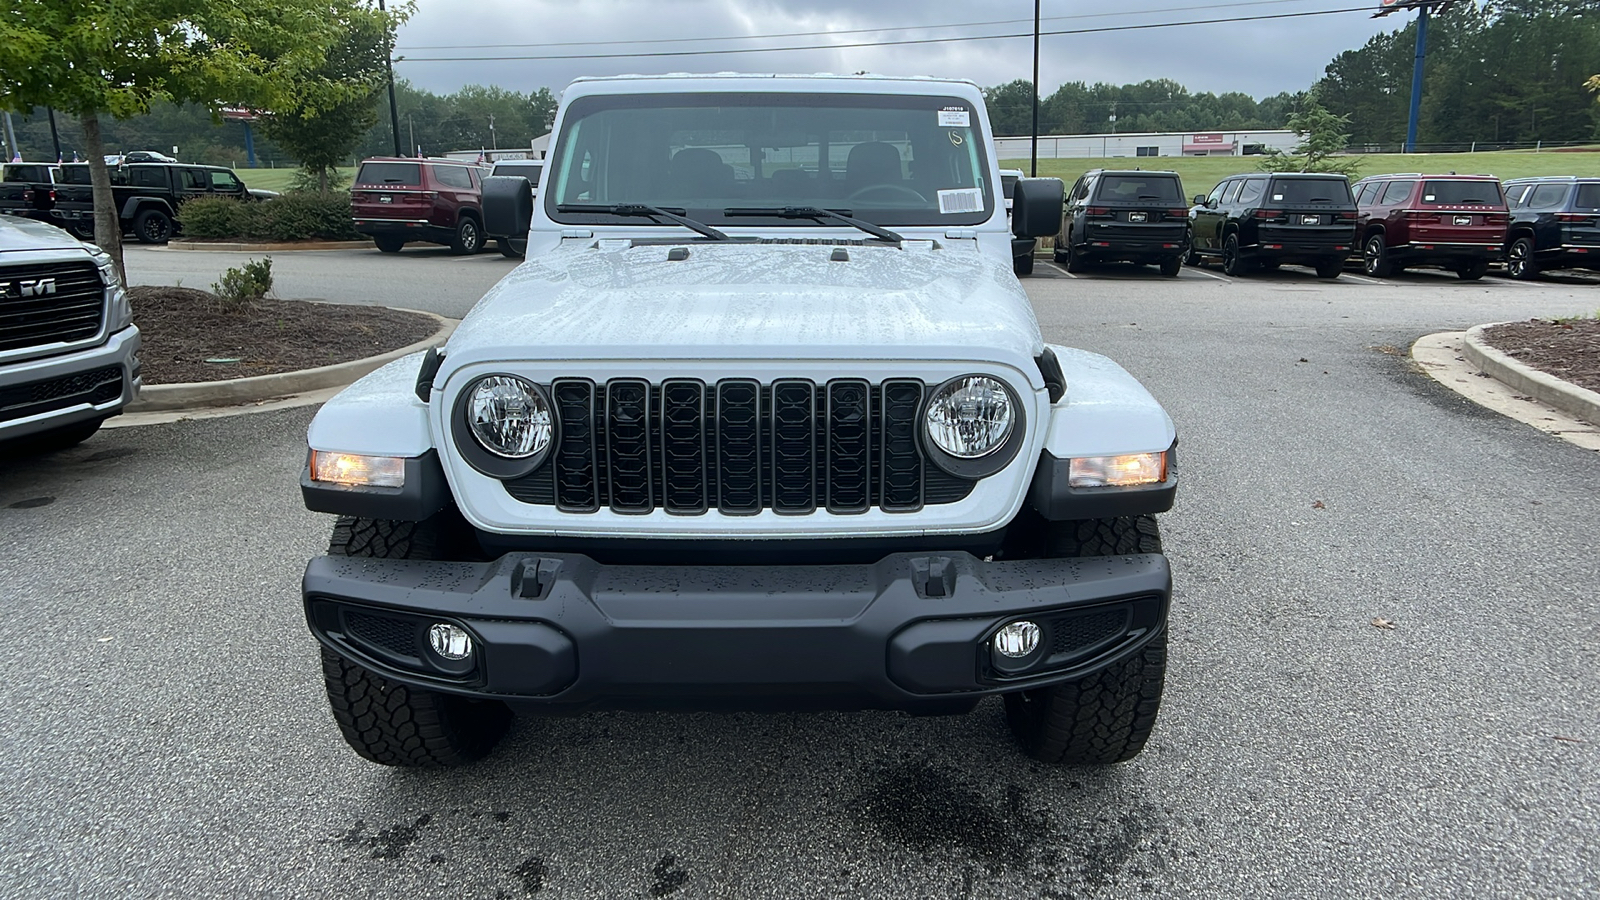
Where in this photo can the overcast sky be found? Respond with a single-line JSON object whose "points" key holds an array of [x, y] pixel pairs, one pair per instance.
{"points": [[1259, 58]]}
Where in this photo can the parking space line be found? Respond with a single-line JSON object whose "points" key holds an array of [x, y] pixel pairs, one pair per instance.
{"points": [[1199, 271], [1058, 268], [1360, 279]]}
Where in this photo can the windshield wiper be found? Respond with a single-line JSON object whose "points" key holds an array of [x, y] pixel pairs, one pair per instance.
{"points": [[816, 213], [641, 209]]}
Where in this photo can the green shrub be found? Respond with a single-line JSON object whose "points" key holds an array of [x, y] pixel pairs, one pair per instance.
{"points": [[213, 217], [295, 216], [243, 286]]}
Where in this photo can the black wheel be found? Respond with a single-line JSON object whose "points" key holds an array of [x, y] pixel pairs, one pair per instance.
{"points": [[1519, 260], [1075, 262], [81, 229], [1375, 257], [388, 722], [468, 239], [1192, 257], [1233, 264], [1022, 265], [1107, 717], [388, 244], [152, 227], [509, 248], [1330, 268], [1171, 265], [1474, 270]]}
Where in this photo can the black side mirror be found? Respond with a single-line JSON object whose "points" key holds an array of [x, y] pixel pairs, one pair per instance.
{"points": [[1036, 207], [1199, 199], [507, 205]]}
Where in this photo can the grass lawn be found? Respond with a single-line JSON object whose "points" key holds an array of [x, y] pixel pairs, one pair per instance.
{"points": [[1201, 173], [278, 179]]}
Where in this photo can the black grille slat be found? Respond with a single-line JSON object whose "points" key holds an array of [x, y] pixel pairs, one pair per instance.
{"points": [[683, 447], [738, 428], [577, 484], [849, 440], [900, 478], [94, 387], [73, 313], [628, 445], [739, 447], [793, 447]]}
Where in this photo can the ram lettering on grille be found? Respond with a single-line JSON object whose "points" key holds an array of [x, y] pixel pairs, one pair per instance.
{"points": [[738, 447]]}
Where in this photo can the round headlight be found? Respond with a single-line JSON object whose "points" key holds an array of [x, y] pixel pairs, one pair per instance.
{"points": [[970, 416], [509, 416]]}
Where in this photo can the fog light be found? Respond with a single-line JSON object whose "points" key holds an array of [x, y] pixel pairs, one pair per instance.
{"points": [[450, 641], [1016, 640], [1117, 471], [358, 471]]}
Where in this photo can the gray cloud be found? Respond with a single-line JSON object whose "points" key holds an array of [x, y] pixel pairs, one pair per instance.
{"points": [[1258, 58]]}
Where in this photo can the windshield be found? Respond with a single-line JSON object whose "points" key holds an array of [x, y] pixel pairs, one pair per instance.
{"points": [[1310, 190], [1460, 193], [887, 159], [1159, 189]]}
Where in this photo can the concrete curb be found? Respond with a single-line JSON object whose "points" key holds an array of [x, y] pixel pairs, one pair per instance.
{"points": [[1563, 395], [273, 248], [236, 391]]}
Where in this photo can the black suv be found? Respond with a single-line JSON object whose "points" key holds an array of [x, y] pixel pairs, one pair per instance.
{"points": [[1263, 220], [1555, 224], [1131, 216], [147, 196]]}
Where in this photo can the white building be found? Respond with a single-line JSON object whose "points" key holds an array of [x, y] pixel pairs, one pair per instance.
{"points": [[1204, 143]]}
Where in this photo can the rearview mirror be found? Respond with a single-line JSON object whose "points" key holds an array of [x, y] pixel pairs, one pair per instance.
{"points": [[1036, 207], [507, 205]]}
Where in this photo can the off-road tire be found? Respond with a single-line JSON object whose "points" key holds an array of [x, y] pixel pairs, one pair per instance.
{"points": [[1107, 717], [393, 724], [1192, 257], [469, 237], [1171, 266], [1022, 265], [1330, 269], [1375, 257], [1075, 262], [388, 244], [1520, 263], [1472, 271], [152, 226], [388, 722], [1233, 265]]}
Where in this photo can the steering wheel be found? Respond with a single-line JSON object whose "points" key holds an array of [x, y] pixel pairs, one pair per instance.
{"points": [[900, 191]]}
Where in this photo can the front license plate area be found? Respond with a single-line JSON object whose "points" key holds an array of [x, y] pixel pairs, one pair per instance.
{"points": [[1136, 217], [1463, 220], [1310, 220]]}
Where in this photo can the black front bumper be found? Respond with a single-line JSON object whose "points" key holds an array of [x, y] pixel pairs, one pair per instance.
{"points": [[909, 632]]}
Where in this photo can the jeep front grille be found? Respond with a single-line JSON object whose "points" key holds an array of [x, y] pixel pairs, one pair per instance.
{"points": [[737, 447], [49, 304]]}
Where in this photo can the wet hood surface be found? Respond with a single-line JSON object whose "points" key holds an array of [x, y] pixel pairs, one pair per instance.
{"points": [[17, 233], [753, 301]]}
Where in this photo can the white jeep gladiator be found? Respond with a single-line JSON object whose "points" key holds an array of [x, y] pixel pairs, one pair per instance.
{"points": [[69, 351], [764, 421]]}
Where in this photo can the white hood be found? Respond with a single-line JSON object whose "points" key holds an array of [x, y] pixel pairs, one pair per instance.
{"points": [[753, 301]]}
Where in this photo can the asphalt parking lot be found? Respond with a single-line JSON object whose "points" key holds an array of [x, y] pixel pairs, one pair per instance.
{"points": [[166, 733]]}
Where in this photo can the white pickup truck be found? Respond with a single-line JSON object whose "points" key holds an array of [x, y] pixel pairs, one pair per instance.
{"points": [[764, 420], [69, 352]]}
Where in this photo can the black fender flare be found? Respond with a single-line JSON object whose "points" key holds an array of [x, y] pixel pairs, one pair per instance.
{"points": [[135, 205]]}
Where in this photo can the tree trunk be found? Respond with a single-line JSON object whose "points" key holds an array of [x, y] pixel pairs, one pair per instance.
{"points": [[107, 224], [322, 180]]}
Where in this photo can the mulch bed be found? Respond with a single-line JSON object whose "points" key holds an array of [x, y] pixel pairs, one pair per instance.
{"points": [[189, 335], [1566, 348]]}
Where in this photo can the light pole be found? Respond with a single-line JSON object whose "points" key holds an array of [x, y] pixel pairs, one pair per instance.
{"points": [[388, 62], [1033, 167], [492, 144]]}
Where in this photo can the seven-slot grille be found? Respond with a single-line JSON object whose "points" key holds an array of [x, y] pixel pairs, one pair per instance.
{"points": [[737, 447], [49, 304]]}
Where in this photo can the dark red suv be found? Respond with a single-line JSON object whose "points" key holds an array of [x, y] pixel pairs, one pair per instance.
{"points": [[439, 201], [1455, 222]]}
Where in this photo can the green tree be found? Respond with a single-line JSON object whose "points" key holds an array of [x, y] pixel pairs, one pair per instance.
{"points": [[94, 58], [332, 110], [1323, 136]]}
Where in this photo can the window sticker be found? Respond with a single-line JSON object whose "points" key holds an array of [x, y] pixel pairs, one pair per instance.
{"points": [[954, 117], [961, 200], [1427, 198], [1278, 197]]}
